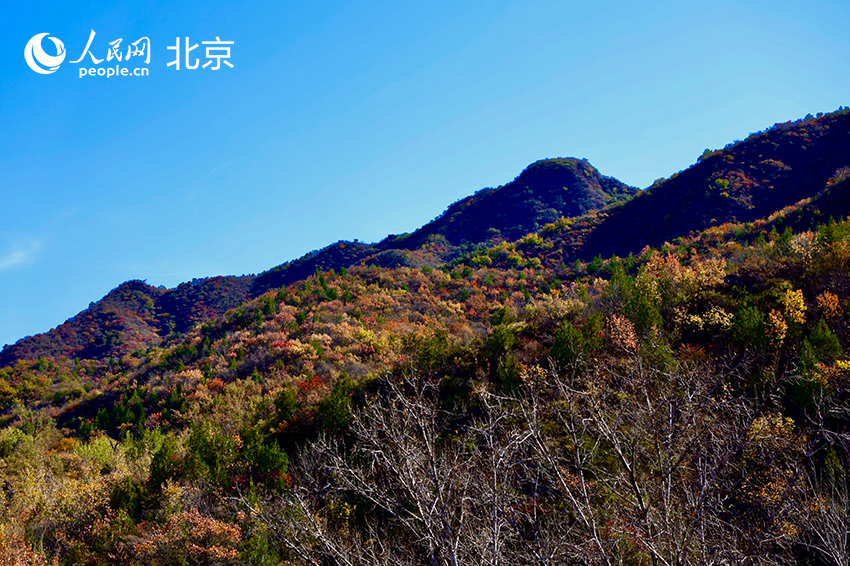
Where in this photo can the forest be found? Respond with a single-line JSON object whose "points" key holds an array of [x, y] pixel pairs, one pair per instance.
{"points": [[511, 401]]}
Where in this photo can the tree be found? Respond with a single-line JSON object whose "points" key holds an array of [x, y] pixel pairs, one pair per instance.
{"points": [[411, 487]]}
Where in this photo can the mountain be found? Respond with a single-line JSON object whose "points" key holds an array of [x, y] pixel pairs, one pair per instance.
{"points": [[544, 192], [133, 316], [136, 315], [742, 182], [745, 181], [592, 215], [689, 404]]}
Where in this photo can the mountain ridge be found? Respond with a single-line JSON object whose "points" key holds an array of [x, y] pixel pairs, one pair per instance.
{"points": [[744, 181], [133, 316]]}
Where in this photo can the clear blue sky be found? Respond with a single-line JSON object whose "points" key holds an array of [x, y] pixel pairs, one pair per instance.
{"points": [[343, 120]]}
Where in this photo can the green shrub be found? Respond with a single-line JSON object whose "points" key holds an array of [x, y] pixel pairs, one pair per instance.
{"points": [[209, 453], [748, 325], [336, 409], [263, 457], [165, 464], [826, 344], [568, 346]]}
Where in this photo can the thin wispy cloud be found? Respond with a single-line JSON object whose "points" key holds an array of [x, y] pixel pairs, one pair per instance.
{"points": [[19, 255], [220, 167]]}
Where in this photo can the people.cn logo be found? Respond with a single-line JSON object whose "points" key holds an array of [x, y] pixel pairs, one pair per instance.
{"points": [[38, 60]]}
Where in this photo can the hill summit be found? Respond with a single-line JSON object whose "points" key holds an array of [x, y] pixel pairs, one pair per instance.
{"points": [[545, 191]]}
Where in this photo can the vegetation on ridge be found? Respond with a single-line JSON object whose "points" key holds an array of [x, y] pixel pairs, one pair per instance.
{"points": [[684, 404]]}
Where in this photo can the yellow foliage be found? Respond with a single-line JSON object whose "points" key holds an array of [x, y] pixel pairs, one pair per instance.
{"points": [[531, 239], [795, 306], [803, 244], [771, 427], [622, 332], [716, 317], [533, 374], [369, 338], [560, 225], [672, 276], [648, 287], [705, 273], [338, 512], [776, 326], [481, 260], [67, 444]]}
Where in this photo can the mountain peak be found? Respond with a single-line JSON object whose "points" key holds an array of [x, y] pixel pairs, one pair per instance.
{"points": [[545, 191]]}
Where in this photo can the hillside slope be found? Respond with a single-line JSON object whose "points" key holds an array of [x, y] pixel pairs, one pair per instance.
{"points": [[133, 316], [545, 191], [137, 315], [743, 182]]}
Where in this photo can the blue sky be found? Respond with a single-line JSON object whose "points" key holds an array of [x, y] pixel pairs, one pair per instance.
{"points": [[343, 120]]}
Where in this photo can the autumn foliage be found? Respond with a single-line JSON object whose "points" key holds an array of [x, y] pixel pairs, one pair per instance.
{"points": [[499, 402]]}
